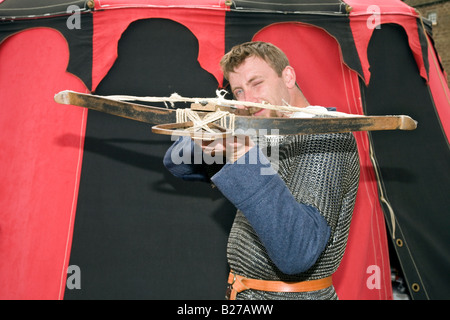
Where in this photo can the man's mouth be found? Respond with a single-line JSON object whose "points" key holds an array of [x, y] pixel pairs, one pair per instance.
{"points": [[255, 111]]}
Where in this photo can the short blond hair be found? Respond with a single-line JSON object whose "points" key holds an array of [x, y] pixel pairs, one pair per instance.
{"points": [[267, 51]]}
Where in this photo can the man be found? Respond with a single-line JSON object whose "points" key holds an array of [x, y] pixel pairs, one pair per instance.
{"points": [[291, 226]]}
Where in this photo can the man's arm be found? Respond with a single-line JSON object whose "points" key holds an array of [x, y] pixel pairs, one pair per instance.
{"points": [[181, 160], [293, 234]]}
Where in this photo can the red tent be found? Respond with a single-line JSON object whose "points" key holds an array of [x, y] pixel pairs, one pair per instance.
{"points": [[89, 190]]}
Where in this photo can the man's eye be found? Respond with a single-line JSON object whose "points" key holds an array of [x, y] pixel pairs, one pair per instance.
{"points": [[238, 93]]}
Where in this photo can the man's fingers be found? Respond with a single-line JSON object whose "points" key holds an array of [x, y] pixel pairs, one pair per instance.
{"points": [[231, 147]]}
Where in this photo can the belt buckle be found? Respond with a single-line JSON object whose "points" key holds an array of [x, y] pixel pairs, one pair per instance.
{"points": [[230, 288]]}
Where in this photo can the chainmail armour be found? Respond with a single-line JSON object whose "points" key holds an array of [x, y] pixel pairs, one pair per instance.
{"points": [[320, 170]]}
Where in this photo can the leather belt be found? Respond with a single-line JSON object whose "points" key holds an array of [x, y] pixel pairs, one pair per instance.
{"points": [[237, 283]]}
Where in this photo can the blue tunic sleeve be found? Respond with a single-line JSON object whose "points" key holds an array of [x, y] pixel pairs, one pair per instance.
{"points": [[293, 234], [181, 159]]}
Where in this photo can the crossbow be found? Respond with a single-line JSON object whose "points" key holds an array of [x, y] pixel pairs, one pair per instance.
{"points": [[195, 125]]}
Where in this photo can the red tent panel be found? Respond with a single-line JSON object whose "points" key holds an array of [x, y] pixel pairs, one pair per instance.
{"points": [[42, 148]]}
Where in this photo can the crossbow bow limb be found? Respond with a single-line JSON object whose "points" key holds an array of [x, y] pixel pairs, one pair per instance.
{"points": [[165, 119]]}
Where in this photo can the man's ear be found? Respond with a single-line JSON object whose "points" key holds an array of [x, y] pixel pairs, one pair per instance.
{"points": [[289, 77]]}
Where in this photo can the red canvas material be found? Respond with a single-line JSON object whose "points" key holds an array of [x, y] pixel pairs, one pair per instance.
{"points": [[40, 160]]}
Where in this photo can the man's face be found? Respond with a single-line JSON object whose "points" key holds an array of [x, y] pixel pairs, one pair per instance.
{"points": [[255, 81]]}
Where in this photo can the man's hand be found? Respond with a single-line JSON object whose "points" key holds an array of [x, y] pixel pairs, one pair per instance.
{"points": [[232, 147]]}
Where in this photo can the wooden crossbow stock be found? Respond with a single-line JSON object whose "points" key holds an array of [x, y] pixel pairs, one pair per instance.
{"points": [[239, 120]]}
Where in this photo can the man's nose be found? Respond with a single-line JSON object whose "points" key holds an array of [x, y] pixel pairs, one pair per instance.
{"points": [[250, 96]]}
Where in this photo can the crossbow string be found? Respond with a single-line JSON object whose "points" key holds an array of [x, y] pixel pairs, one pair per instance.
{"points": [[220, 100]]}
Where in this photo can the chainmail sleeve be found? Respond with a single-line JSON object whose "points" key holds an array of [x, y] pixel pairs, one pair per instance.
{"points": [[322, 171]]}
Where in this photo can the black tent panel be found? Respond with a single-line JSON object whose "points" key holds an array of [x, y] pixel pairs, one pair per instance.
{"points": [[141, 233], [414, 167], [323, 6]]}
